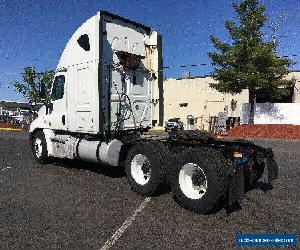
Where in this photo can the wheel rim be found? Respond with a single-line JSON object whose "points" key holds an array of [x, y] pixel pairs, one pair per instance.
{"points": [[192, 181], [140, 169], [38, 148]]}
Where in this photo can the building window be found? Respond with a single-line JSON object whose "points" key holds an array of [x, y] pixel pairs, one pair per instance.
{"points": [[183, 105], [264, 95], [154, 122], [233, 104], [134, 80]]}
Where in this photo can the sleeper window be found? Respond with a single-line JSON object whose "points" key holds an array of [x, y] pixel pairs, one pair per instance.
{"points": [[84, 42]]}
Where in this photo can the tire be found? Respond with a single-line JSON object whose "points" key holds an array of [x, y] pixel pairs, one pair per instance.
{"points": [[39, 148], [148, 180], [199, 179], [252, 175]]}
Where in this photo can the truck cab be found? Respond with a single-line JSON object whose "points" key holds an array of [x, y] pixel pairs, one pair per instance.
{"points": [[104, 78]]}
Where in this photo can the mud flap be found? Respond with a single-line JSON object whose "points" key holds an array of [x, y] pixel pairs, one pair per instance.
{"points": [[271, 166], [235, 186]]}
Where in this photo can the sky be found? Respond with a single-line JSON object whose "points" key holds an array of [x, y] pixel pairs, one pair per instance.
{"points": [[34, 33]]}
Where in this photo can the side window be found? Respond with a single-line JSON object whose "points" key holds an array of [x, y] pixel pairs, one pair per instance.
{"points": [[58, 88], [84, 42]]}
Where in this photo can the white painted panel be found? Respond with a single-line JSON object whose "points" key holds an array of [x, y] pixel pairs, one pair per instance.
{"points": [[118, 80], [141, 88], [73, 54], [272, 113], [127, 39], [83, 87], [84, 120], [141, 110]]}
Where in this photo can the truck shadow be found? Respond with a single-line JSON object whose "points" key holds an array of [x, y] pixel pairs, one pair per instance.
{"points": [[110, 171], [119, 172], [236, 206], [264, 186]]}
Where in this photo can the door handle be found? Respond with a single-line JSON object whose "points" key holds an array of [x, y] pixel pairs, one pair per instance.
{"points": [[63, 120]]}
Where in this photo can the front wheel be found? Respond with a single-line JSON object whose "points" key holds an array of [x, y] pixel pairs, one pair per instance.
{"points": [[199, 179], [39, 147], [143, 168]]}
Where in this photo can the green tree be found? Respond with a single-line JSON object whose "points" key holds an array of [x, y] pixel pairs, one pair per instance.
{"points": [[35, 86], [247, 61]]}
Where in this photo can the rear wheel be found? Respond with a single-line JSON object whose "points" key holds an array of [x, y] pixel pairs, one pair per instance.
{"points": [[39, 147], [192, 181], [199, 179], [144, 169]]}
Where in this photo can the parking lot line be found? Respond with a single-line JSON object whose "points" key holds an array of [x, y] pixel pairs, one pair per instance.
{"points": [[108, 244], [6, 168]]}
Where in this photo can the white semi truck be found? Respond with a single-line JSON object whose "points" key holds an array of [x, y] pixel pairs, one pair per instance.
{"points": [[101, 106]]}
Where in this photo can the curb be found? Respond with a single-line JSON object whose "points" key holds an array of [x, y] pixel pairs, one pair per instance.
{"points": [[157, 129]]}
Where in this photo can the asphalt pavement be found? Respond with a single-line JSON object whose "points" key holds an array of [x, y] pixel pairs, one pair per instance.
{"points": [[71, 204]]}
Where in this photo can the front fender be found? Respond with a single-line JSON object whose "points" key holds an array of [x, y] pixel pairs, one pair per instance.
{"points": [[39, 123]]}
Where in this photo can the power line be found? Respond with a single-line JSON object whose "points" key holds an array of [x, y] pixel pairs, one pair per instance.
{"points": [[185, 66], [163, 68]]}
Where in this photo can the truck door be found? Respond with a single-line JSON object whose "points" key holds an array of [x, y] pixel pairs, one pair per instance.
{"points": [[57, 112]]}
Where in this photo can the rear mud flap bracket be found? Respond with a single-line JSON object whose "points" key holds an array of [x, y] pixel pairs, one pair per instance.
{"points": [[272, 169], [236, 186]]}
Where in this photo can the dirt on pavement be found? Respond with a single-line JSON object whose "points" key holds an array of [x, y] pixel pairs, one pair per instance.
{"points": [[280, 131]]}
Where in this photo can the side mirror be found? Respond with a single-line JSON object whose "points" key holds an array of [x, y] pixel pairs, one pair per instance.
{"points": [[49, 108], [154, 76]]}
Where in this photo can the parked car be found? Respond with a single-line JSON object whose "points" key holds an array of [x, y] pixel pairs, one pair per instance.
{"points": [[2, 119], [14, 120], [173, 124]]}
